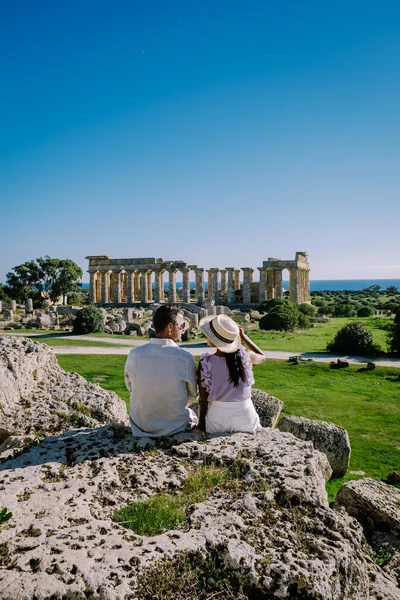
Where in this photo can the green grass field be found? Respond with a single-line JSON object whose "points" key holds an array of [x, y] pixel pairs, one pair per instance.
{"points": [[366, 403], [316, 338]]}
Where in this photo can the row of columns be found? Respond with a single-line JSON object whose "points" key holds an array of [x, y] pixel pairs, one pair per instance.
{"points": [[136, 286]]}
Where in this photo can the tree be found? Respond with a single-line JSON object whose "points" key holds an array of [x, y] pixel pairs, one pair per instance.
{"points": [[391, 290], [365, 311], [51, 276]]}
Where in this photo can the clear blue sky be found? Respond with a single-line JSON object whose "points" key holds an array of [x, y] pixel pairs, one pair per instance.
{"points": [[217, 132]]}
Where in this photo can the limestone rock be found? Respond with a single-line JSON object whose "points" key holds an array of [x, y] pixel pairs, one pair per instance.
{"points": [[328, 438], [37, 396], [375, 504], [270, 525], [268, 407]]}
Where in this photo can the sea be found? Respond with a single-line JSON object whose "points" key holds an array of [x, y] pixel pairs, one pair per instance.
{"points": [[319, 285]]}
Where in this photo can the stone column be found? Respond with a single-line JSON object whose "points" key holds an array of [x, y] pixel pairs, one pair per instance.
{"points": [[92, 288], [117, 287], [13, 305], [247, 281], [149, 290], [223, 282], [143, 287], [210, 284], [185, 285], [294, 285], [136, 286], [161, 285], [278, 284], [263, 284], [156, 295], [231, 285], [131, 289], [172, 285], [215, 290], [104, 294], [1, 306], [307, 295], [270, 284], [237, 279], [28, 306], [200, 286]]}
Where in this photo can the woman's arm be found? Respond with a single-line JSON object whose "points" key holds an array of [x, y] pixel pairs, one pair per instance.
{"points": [[257, 356], [203, 401]]}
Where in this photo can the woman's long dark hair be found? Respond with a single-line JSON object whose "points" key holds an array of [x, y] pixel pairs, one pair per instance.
{"points": [[235, 367]]}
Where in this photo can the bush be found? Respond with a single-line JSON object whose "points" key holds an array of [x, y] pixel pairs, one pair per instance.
{"points": [[353, 338], [282, 315], [365, 311], [344, 309], [88, 320], [394, 334], [304, 321], [307, 309]]}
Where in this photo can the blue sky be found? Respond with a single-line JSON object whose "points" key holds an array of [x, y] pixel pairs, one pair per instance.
{"points": [[220, 133]]}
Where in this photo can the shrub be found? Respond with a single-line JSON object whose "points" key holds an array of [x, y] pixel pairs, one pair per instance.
{"points": [[344, 309], [281, 316], [307, 309], [353, 338], [365, 311], [325, 310], [394, 334], [88, 320], [304, 321]]}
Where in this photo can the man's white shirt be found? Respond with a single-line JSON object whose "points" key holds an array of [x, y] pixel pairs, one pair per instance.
{"points": [[161, 378]]}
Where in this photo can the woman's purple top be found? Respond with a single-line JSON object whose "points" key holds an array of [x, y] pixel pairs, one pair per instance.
{"points": [[215, 378]]}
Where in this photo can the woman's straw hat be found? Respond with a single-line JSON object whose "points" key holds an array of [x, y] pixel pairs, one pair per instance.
{"points": [[222, 331]]}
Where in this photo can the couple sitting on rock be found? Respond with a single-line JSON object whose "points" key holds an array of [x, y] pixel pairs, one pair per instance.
{"points": [[163, 382]]}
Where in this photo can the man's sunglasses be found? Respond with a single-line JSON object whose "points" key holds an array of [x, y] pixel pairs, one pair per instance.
{"points": [[182, 326]]}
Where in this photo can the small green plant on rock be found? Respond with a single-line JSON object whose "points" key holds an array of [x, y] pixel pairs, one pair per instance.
{"points": [[4, 516]]}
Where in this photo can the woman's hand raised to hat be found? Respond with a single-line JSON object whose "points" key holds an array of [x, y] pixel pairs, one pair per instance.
{"points": [[241, 332]]}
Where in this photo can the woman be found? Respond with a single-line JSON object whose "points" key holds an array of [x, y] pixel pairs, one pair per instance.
{"points": [[225, 378]]}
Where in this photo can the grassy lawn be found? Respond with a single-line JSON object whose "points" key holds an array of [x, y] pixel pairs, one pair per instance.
{"points": [[314, 339], [366, 403]]}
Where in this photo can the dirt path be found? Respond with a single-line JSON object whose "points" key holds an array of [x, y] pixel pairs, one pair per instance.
{"points": [[199, 349]]}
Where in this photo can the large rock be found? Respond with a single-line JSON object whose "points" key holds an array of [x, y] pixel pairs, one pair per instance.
{"points": [[268, 526], [375, 504], [326, 437], [268, 407], [37, 396]]}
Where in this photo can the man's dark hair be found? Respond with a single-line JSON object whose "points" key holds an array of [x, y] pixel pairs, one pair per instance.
{"points": [[165, 315]]}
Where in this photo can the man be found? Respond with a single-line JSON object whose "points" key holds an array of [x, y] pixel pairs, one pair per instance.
{"points": [[161, 378]]}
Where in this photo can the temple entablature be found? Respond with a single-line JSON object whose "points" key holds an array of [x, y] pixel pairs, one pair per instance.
{"points": [[147, 280]]}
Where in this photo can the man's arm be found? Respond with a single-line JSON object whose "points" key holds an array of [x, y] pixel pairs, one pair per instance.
{"points": [[191, 384], [128, 382]]}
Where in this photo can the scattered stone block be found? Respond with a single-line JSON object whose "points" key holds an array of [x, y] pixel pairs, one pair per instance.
{"points": [[375, 504], [326, 437], [371, 366], [268, 407]]}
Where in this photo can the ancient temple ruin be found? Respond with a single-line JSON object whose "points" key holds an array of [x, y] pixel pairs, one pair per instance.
{"points": [[142, 280]]}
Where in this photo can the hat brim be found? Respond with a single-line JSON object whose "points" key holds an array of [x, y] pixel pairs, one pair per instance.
{"points": [[205, 328]]}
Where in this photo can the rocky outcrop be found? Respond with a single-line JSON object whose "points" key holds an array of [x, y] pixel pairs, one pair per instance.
{"points": [[268, 407], [270, 528], [330, 439], [38, 397]]}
